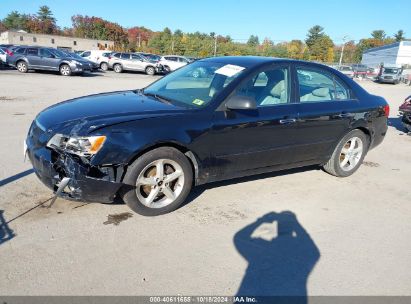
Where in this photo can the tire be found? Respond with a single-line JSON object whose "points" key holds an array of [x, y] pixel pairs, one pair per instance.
{"points": [[335, 166], [147, 194], [22, 66], [167, 69], [150, 71], [104, 66], [65, 70], [118, 68]]}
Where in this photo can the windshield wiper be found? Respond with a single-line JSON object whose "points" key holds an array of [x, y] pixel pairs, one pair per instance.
{"points": [[156, 96]]}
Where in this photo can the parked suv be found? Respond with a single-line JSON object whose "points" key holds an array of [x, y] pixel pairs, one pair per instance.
{"points": [[120, 62], [172, 62], [390, 75], [97, 56], [48, 59]]}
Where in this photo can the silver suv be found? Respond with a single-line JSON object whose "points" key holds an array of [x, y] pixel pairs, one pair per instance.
{"points": [[120, 62]]}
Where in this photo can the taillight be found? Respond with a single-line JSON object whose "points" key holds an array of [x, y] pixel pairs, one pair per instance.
{"points": [[109, 57], [10, 53], [386, 110]]}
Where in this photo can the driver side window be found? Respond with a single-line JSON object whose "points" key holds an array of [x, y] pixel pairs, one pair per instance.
{"points": [[268, 88]]}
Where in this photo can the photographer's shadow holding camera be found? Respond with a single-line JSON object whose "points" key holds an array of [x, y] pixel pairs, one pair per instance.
{"points": [[280, 255]]}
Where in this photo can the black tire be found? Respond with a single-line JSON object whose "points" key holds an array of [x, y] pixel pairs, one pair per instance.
{"points": [[333, 166], [118, 68], [167, 69], [22, 66], [128, 192], [104, 66], [65, 70], [150, 71]]}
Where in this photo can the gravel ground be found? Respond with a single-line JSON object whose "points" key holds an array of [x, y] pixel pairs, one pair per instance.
{"points": [[357, 239]]}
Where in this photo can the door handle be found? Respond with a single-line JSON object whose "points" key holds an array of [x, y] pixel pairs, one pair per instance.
{"points": [[288, 121], [343, 115]]}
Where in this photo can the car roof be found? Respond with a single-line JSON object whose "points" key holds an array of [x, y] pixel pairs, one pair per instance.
{"points": [[252, 61]]}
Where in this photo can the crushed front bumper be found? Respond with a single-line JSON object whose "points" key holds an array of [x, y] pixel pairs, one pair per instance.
{"points": [[87, 183]]}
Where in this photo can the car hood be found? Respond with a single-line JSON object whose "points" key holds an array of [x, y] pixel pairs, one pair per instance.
{"points": [[86, 114]]}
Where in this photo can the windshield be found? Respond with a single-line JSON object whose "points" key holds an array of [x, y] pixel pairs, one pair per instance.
{"points": [[390, 71], [196, 84], [58, 53]]}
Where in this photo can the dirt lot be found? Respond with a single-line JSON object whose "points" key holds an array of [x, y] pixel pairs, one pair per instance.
{"points": [[358, 228]]}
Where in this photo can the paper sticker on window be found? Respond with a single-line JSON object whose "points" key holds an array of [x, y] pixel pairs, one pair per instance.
{"points": [[229, 70], [198, 102]]}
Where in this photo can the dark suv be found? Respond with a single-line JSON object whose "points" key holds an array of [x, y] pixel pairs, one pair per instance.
{"points": [[48, 59]]}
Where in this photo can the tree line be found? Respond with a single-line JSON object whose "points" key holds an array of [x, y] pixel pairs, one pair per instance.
{"points": [[317, 46]]}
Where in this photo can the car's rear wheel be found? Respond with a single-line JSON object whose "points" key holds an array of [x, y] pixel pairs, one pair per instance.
{"points": [[104, 66], [348, 155], [65, 70], [150, 71], [22, 66], [157, 182], [118, 68]]}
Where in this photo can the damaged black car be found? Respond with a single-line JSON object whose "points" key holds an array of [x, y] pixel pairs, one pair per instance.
{"points": [[246, 115]]}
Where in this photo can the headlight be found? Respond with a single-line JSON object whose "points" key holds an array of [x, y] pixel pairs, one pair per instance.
{"points": [[82, 146]]}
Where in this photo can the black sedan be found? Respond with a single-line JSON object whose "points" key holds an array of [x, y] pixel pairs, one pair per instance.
{"points": [[249, 115]]}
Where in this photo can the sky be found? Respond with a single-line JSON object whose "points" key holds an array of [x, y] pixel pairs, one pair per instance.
{"points": [[277, 20]]}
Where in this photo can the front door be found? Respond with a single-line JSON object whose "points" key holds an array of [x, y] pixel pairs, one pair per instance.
{"points": [[257, 138], [48, 60]]}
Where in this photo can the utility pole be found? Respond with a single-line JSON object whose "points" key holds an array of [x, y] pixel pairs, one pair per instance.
{"points": [[215, 46], [342, 49], [139, 40], [172, 46]]}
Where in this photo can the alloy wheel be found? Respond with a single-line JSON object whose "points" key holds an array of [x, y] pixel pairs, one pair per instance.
{"points": [[21, 67], [160, 183], [65, 70], [351, 153]]}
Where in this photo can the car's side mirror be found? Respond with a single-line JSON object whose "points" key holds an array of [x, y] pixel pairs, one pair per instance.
{"points": [[241, 103]]}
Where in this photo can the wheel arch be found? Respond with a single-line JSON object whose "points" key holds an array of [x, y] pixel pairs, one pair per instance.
{"points": [[194, 162]]}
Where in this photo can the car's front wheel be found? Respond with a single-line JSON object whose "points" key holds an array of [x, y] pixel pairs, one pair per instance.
{"points": [[158, 182], [348, 155], [118, 68], [104, 66], [65, 70]]}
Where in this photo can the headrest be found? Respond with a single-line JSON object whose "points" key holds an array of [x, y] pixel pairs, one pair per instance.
{"points": [[321, 92], [278, 88]]}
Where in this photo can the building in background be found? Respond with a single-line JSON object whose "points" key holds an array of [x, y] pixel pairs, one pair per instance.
{"points": [[396, 54], [54, 41]]}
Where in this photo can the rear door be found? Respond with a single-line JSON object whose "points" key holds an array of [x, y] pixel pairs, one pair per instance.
{"points": [[126, 61], [137, 62], [33, 58], [326, 108]]}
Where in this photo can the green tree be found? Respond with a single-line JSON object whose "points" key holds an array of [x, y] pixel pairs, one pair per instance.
{"points": [[44, 14], [319, 44], [399, 36], [379, 35], [15, 21], [253, 41]]}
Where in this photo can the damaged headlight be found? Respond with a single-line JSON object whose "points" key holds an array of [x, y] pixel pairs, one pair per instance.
{"points": [[82, 146]]}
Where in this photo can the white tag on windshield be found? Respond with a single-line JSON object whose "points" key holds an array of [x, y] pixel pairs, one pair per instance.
{"points": [[229, 70]]}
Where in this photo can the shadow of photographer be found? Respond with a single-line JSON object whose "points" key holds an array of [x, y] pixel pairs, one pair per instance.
{"points": [[280, 255]]}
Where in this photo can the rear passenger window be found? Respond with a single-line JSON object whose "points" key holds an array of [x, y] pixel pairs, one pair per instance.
{"points": [[86, 54], [32, 52], [125, 56], [117, 55], [320, 86]]}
